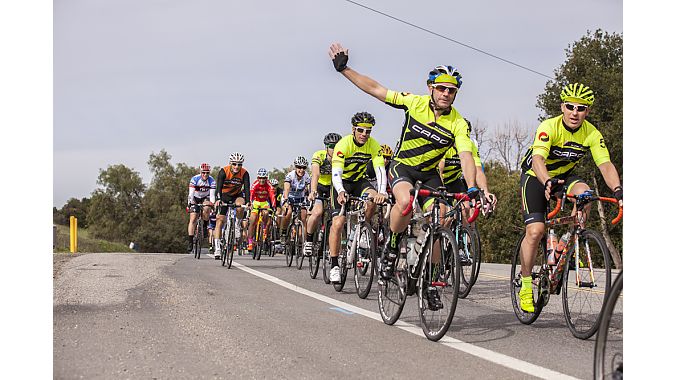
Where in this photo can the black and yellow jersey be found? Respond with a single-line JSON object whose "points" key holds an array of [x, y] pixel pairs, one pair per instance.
{"points": [[452, 169], [563, 147], [321, 158], [352, 158], [424, 139]]}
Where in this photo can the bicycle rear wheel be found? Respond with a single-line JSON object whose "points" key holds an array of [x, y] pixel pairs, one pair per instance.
{"points": [[228, 247], [392, 292], [289, 246], [316, 256], [583, 297], [467, 248], [477, 254], [342, 261], [299, 242], [364, 261], [515, 283], [444, 278], [608, 348], [326, 259]]}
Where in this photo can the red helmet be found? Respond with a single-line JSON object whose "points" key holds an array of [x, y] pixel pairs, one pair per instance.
{"points": [[205, 167]]}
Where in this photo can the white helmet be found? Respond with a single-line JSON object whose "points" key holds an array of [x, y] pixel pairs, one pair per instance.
{"points": [[300, 161], [274, 182], [262, 173], [237, 157]]}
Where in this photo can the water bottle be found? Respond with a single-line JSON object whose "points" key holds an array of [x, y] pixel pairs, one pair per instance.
{"points": [[350, 249], [551, 247], [411, 255], [363, 241], [419, 242], [562, 245], [320, 235]]}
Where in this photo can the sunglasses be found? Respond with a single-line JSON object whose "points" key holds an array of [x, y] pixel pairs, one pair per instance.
{"points": [[330, 146], [205, 172], [573, 107], [443, 89], [301, 167], [234, 164], [363, 130]]}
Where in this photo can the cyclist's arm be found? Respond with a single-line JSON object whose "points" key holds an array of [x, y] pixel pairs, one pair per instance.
{"points": [[610, 175], [212, 191], [219, 184], [442, 166], [540, 169], [191, 192], [314, 178], [247, 187], [287, 189], [468, 168], [365, 84], [271, 196], [337, 178], [481, 180]]}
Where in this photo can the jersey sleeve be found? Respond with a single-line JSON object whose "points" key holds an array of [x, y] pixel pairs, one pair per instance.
{"points": [[376, 154], [475, 154], [289, 177], [318, 157], [401, 100], [598, 148], [461, 131], [543, 140]]}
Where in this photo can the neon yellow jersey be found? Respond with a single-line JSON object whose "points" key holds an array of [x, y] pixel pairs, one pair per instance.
{"points": [[321, 159], [452, 168], [563, 147], [353, 158], [424, 140]]}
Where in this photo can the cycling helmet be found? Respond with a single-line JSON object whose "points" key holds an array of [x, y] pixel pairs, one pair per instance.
{"points": [[469, 125], [300, 161], [363, 119], [332, 138], [577, 93], [262, 173], [445, 74], [274, 182], [387, 151], [205, 167], [237, 157]]}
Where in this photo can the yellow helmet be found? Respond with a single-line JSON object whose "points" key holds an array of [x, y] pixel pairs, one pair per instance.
{"points": [[387, 151], [577, 93]]}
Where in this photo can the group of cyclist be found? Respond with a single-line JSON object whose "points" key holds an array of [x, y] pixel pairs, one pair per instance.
{"points": [[434, 147]]}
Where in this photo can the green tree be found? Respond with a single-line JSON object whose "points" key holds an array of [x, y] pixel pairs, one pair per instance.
{"points": [[74, 207]]}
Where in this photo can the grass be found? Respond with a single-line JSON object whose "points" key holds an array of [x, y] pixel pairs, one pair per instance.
{"points": [[85, 243]]}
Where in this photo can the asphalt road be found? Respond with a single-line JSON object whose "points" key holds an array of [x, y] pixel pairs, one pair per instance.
{"points": [[170, 316]]}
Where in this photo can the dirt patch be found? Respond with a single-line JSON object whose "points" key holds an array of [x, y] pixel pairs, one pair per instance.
{"points": [[60, 259]]}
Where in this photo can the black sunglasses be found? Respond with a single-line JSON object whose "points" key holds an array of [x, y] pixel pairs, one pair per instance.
{"points": [[330, 146], [572, 107], [301, 167], [363, 130], [234, 164], [205, 172]]}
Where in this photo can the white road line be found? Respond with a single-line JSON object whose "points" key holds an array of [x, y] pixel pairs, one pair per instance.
{"points": [[495, 357]]}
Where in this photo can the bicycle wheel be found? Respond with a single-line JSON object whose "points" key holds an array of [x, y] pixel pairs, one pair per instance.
{"points": [[540, 293], [583, 297], [608, 348], [298, 244], [444, 278], [326, 259], [467, 247], [289, 246], [364, 261], [477, 254], [392, 292], [228, 247], [316, 256], [197, 242], [342, 260]]}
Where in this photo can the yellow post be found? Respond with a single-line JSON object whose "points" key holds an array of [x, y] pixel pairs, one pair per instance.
{"points": [[73, 234]]}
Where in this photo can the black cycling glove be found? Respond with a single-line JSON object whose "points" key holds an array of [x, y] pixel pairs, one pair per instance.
{"points": [[472, 192], [617, 193], [340, 61]]}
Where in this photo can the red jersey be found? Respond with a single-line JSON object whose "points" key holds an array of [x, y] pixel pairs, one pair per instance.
{"points": [[263, 192]]}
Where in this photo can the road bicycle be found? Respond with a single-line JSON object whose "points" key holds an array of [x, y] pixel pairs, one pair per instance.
{"points": [[198, 237], [228, 239], [262, 239], [608, 348], [418, 272], [585, 253], [319, 244], [295, 235]]}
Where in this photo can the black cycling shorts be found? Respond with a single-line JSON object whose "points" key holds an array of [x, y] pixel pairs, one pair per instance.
{"points": [[355, 189], [533, 202], [430, 180]]}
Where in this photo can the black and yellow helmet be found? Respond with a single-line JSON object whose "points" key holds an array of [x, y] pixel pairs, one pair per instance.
{"points": [[577, 93], [363, 119], [387, 151]]}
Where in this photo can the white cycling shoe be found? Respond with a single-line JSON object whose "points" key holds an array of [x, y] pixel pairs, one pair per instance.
{"points": [[334, 274], [307, 249]]}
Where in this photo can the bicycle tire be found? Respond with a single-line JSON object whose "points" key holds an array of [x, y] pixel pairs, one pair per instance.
{"points": [[363, 265], [298, 244], [326, 259], [582, 308], [228, 247], [601, 369], [315, 257], [197, 241], [467, 243], [288, 247], [477, 256], [392, 293], [435, 323], [515, 283], [342, 261]]}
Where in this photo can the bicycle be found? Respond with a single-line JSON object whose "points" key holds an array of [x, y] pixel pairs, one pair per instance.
{"points": [[469, 243], [261, 239], [198, 237], [228, 239], [608, 361], [590, 260], [295, 236], [417, 273], [319, 244]]}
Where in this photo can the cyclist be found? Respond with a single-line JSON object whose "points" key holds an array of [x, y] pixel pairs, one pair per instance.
{"points": [[262, 200], [233, 184], [320, 185], [432, 125], [559, 144], [451, 173], [296, 187], [278, 199], [348, 166], [371, 172], [200, 187]]}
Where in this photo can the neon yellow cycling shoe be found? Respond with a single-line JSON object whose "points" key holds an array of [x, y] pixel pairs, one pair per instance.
{"points": [[526, 295]]}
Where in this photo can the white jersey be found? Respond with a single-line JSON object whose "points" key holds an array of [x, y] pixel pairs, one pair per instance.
{"points": [[298, 185], [199, 188]]}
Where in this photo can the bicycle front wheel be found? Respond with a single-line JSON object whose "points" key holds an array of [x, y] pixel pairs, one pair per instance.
{"points": [[392, 293], [342, 261], [326, 259], [442, 278], [608, 348], [468, 250], [289, 245], [516, 283], [299, 242], [316, 256], [364, 261], [584, 290]]}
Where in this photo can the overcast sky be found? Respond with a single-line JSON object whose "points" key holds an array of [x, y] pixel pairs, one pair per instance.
{"points": [[204, 78]]}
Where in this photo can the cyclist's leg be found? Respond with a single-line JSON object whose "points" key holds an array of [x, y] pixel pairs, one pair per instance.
{"points": [[534, 207], [239, 219], [191, 227], [286, 217], [574, 185], [220, 220], [253, 217]]}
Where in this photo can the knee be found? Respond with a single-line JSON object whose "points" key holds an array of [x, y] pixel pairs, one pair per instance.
{"points": [[535, 232]]}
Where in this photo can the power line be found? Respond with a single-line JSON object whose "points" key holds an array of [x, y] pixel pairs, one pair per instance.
{"points": [[450, 39]]}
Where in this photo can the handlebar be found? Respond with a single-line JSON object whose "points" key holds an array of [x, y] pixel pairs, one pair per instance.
{"points": [[583, 199], [417, 191]]}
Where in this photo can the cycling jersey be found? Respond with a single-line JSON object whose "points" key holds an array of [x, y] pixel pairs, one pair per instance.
{"points": [[424, 139], [232, 185], [199, 188], [452, 169], [321, 158], [563, 147], [351, 158], [298, 186], [263, 193]]}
